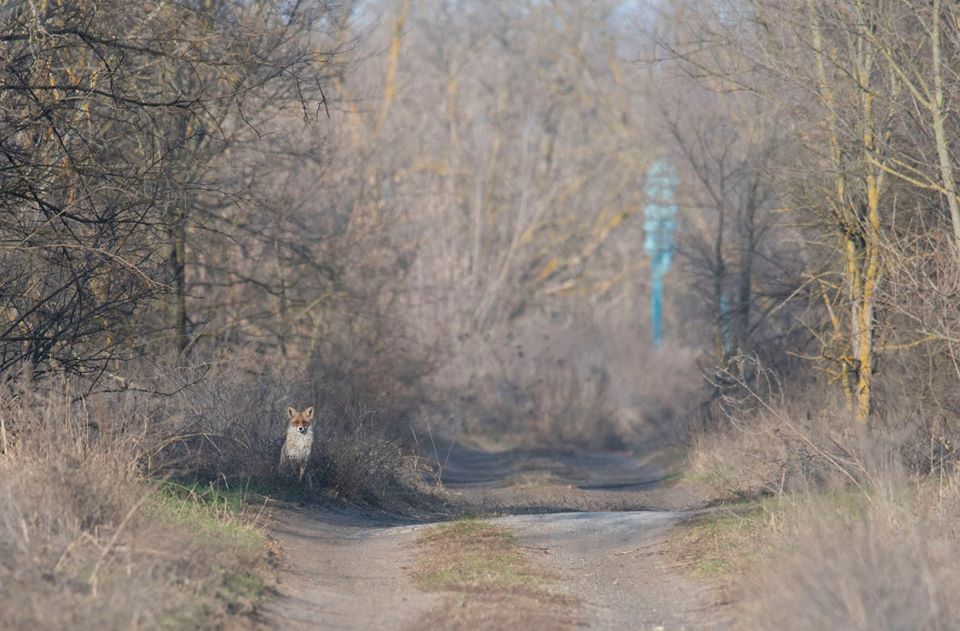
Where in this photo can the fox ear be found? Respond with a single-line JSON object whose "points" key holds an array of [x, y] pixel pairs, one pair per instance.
{"points": [[291, 413], [308, 413]]}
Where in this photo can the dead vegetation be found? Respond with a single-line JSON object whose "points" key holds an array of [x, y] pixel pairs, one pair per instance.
{"points": [[820, 525], [455, 236], [834, 557], [231, 425], [86, 541], [882, 562]]}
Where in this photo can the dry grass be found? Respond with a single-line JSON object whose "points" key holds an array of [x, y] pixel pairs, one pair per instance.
{"points": [[86, 541], [889, 566], [769, 456], [836, 528], [130, 509], [471, 554], [776, 449], [833, 560]]}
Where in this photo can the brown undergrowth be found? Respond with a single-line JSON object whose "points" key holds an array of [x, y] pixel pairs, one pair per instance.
{"points": [[228, 421], [821, 527], [88, 540]]}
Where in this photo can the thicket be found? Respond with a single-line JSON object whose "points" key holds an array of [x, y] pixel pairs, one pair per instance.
{"points": [[820, 137]]}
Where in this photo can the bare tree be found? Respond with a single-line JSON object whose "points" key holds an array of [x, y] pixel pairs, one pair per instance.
{"points": [[815, 62], [116, 116], [733, 242]]}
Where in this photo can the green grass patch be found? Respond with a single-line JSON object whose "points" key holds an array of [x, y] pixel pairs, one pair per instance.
{"points": [[227, 518], [238, 592], [719, 542], [214, 510], [480, 570], [465, 529], [473, 554], [240, 589], [724, 541]]}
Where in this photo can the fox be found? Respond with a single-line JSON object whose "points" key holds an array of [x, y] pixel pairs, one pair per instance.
{"points": [[296, 448]]}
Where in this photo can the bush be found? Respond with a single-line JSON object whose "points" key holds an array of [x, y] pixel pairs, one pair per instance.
{"points": [[227, 422], [126, 508]]}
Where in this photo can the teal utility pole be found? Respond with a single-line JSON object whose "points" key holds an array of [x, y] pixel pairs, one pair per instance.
{"points": [[659, 223]]}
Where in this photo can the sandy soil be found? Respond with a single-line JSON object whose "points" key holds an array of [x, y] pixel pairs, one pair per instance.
{"points": [[597, 521], [344, 570]]}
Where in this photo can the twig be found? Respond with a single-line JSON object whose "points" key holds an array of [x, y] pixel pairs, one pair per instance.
{"points": [[112, 542], [4, 446]]}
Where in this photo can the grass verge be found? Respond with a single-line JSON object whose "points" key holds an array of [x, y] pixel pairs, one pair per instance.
{"points": [[128, 553], [215, 512], [717, 543], [472, 554], [224, 517], [833, 558]]}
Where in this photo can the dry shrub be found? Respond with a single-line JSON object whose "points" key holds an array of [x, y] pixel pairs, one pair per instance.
{"points": [[888, 563], [83, 541], [787, 447], [774, 451], [356, 460], [230, 423], [760, 441], [89, 538], [227, 422]]}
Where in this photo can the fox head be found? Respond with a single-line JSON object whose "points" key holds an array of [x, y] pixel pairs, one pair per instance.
{"points": [[300, 421]]}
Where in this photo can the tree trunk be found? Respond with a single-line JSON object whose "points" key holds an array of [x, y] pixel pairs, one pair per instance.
{"points": [[178, 246]]}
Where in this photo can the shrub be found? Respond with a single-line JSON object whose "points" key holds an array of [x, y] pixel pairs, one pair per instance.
{"points": [[229, 422]]}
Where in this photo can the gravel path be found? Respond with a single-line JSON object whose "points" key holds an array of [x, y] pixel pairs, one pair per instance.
{"points": [[344, 570], [348, 570], [615, 563]]}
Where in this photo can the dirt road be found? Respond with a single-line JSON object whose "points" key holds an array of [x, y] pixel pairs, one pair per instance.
{"points": [[598, 522], [344, 570]]}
